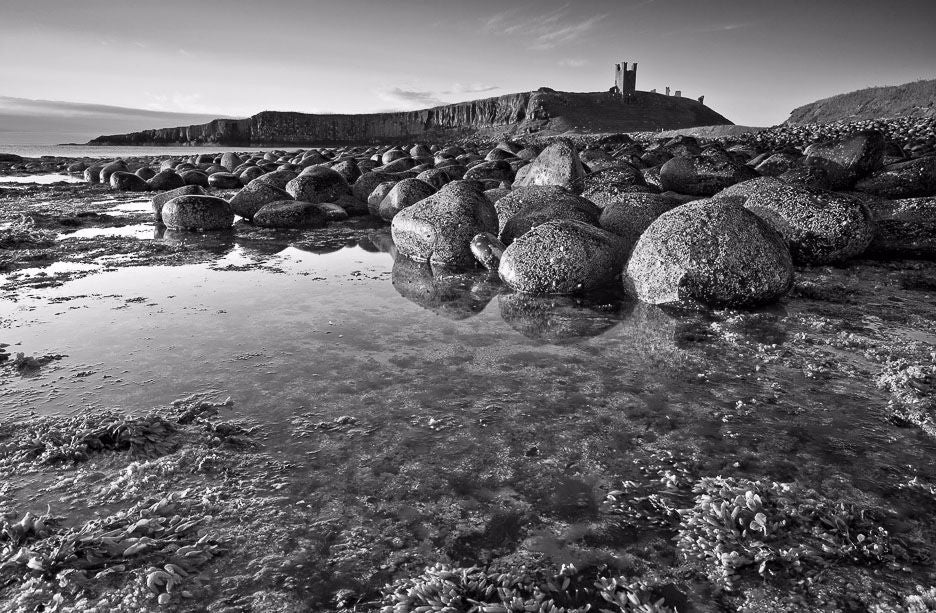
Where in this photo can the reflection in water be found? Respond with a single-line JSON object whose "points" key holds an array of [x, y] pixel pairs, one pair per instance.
{"points": [[455, 294], [217, 242], [379, 241], [557, 319]]}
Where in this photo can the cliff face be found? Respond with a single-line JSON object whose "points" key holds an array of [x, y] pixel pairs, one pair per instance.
{"points": [[540, 111]]}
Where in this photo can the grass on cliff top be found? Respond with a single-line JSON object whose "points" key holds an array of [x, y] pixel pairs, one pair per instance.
{"points": [[916, 99]]}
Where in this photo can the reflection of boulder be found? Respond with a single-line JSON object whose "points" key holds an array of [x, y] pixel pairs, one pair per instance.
{"points": [[379, 241], [257, 246], [217, 241], [455, 294], [324, 244], [558, 319]]}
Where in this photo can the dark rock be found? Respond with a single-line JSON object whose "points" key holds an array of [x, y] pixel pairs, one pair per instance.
{"points": [[488, 250], [277, 178], [161, 199], [562, 257], [250, 173], [165, 180], [807, 176], [702, 175], [333, 212], [108, 169], [558, 164], [848, 159], [714, 252], [436, 177], [253, 196], [821, 227], [609, 184], [146, 173], [496, 194], [777, 164], [318, 184], [197, 213], [377, 195], [440, 228], [497, 170], [561, 319], [290, 214], [915, 178], [196, 177], [631, 214], [128, 182], [224, 180], [348, 169], [92, 174], [527, 207], [905, 228], [452, 293], [405, 193]]}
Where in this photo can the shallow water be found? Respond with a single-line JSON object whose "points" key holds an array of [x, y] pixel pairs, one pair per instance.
{"points": [[42, 179]]}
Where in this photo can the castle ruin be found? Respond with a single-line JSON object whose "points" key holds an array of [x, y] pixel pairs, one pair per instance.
{"points": [[625, 79]]}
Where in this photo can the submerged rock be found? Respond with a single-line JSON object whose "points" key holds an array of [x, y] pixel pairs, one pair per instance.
{"points": [[821, 227], [561, 319], [439, 228], [713, 252], [197, 213], [562, 257]]}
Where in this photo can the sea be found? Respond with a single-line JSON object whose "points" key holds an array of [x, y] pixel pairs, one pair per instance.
{"points": [[111, 152]]}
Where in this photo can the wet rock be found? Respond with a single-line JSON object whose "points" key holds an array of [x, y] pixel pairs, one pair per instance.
{"points": [[108, 169], [290, 214], [526, 207], [128, 182], [166, 179], [436, 177], [807, 176], [92, 174], [277, 178], [74, 167], [348, 169], [496, 194], [440, 228], [713, 252], [248, 174], [562, 257], [399, 165], [253, 196], [195, 177], [911, 179], [146, 173], [452, 293], [702, 175], [333, 212], [630, 215], [392, 155], [197, 213], [160, 200], [497, 170], [904, 228], [405, 193], [224, 180], [351, 205], [10, 158], [777, 164], [318, 184], [488, 250], [558, 164], [377, 195], [848, 159], [821, 227]]}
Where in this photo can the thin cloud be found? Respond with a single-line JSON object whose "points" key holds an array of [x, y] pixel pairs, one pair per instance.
{"points": [[713, 28], [409, 98], [473, 88], [572, 63], [543, 32]]}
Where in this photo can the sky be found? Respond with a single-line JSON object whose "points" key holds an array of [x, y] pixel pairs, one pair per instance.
{"points": [[754, 60]]}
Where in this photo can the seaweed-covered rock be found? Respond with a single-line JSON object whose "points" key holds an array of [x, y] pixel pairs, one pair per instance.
{"points": [[440, 228], [703, 175], [255, 195], [821, 227], [558, 164], [911, 179], [848, 159], [714, 252], [904, 228], [403, 194], [290, 214], [160, 200], [562, 257], [197, 213]]}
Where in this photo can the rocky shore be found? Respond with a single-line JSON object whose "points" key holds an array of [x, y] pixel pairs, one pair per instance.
{"points": [[797, 262]]}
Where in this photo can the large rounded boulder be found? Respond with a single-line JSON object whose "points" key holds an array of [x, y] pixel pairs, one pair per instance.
{"points": [[527, 207], [165, 180], [703, 175], [440, 228], [845, 160], [629, 215], [562, 257], [713, 252], [290, 214], [224, 180], [197, 213], [108, 169], [403, 194], [911, 179], [128, 182], [318, 184], [821, 227], [255, 195], [160, 200], [558, 164]]}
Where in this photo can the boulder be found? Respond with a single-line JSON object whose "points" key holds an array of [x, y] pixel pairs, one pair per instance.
{"points": [[128, 182], [440, 228], [399, 165], [609, 184], [497, 170], [713, 252], [333, 212], [911, 179], [318, 184], [562, 257], [558, 164], [405, 193], [194, 177], [526, 207], [146, 173], [108, 169], [253, 196], [250, 173], [74, 167], [231, 160], [166, 179], [488, 250], [496, 194], [347, 169], [631, 214], [290, 214], [436, 177], [92, 174], [703, 175], [277, 178], [160, 200], [377, 195], [906, 228], [848, 159], [777, 164], [821, 227], [224, 180], [197, 213]]}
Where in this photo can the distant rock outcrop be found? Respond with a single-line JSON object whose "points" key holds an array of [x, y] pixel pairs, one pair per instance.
{"points": [[543, 111], [916, 99]]}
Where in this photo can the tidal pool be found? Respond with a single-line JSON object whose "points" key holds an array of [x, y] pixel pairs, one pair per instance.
{"points": [[438, 411]]}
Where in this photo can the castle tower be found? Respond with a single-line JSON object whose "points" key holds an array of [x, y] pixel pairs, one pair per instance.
{"points": [[625, 79]]}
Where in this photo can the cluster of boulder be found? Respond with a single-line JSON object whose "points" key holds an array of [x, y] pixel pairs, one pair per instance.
{"points": [[677, 221]]}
